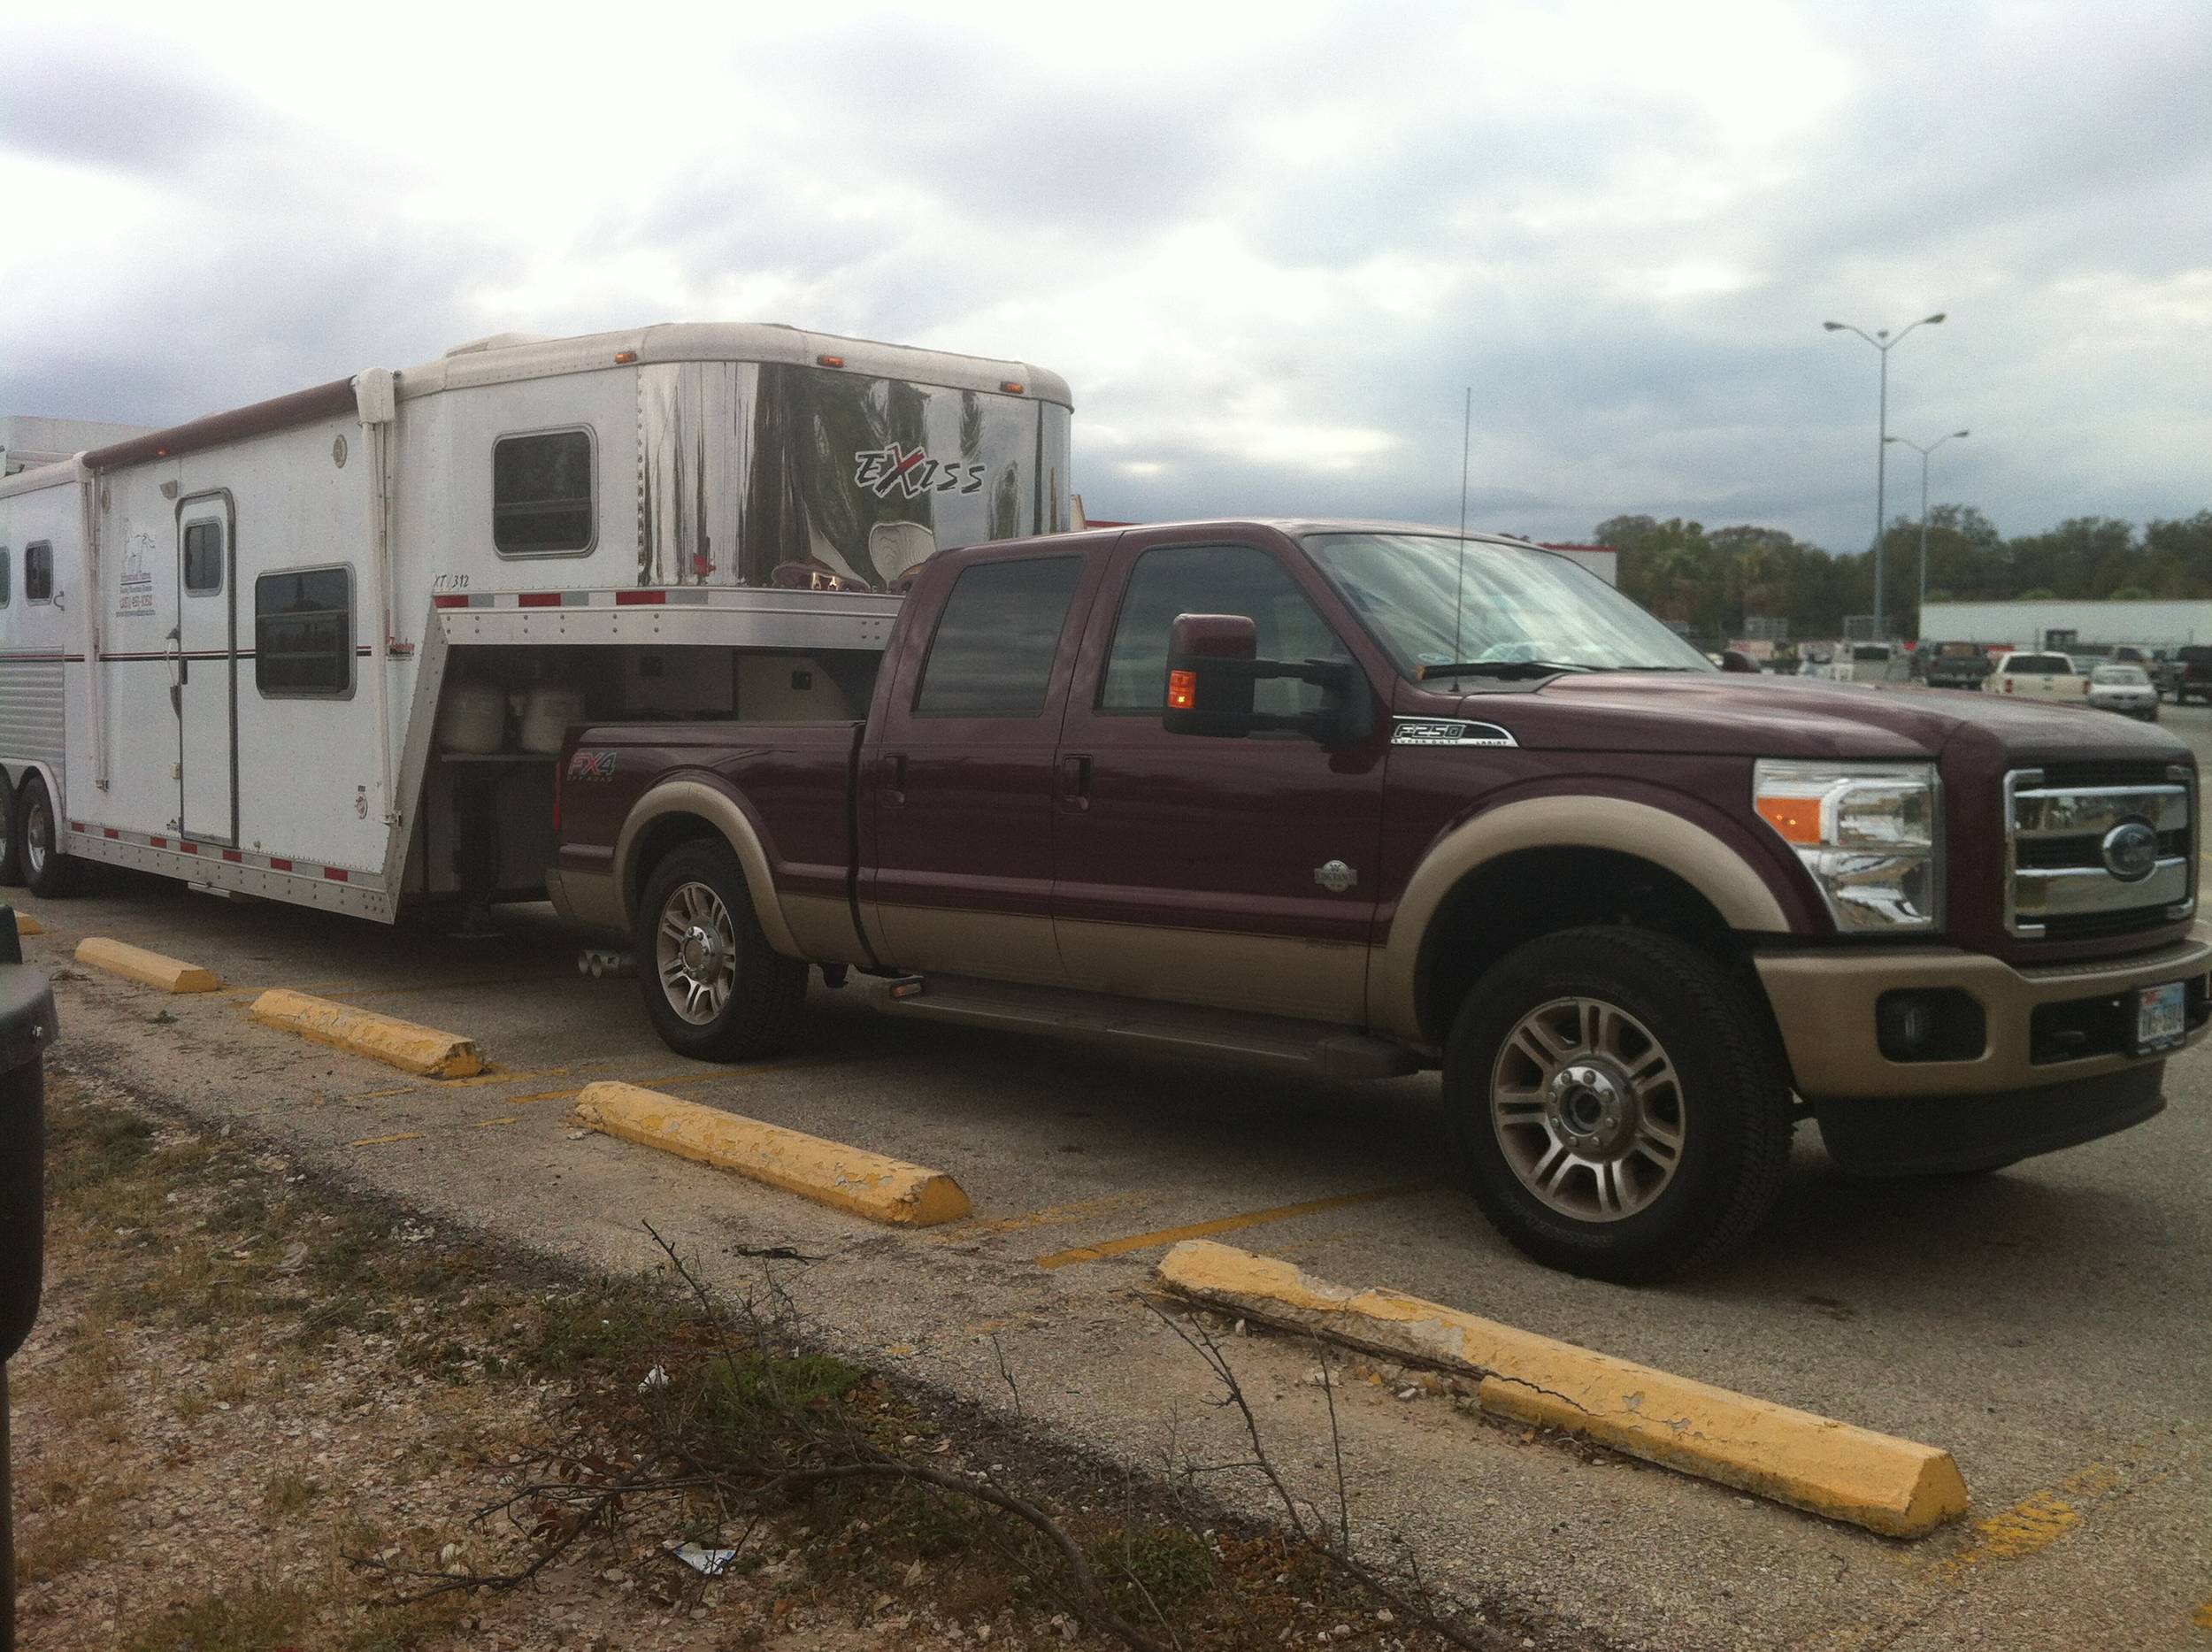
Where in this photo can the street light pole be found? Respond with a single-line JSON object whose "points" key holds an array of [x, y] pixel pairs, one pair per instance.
{"points": [[1920, 614], [1882, 342]]}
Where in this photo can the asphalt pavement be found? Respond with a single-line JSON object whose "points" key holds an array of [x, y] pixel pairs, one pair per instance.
{"points": [[2047, 1325]]}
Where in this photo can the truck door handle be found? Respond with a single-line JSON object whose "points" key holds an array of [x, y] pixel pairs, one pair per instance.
{"points": [[1075, 783], [892, 780]]}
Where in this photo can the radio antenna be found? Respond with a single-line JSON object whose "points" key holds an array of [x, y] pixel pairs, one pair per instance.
{"points": [[1459, 595]]}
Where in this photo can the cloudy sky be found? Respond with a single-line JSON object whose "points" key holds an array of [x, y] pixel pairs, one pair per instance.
{"points": [[1269, 247]]}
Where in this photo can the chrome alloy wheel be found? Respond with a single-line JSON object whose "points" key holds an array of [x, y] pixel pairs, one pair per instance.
{"points": [[1587, 1106], [696, 951], [38, 833]]}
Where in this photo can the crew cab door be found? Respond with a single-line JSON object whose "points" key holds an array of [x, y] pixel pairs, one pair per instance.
{"points": [[1237, 873], [957, 785]]}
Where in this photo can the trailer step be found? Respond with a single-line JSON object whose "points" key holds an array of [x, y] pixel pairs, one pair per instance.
{"points": [[1273, 1042]]}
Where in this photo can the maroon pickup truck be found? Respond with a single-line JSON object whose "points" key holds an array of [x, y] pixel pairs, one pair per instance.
{"points": [[1364, 800]]}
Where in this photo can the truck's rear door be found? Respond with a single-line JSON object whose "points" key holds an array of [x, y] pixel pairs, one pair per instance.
{"points": [[957, 782], [1239, 874]]}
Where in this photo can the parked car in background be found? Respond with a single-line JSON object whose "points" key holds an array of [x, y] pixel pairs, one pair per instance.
{"points": [[2036, 677], [1954, 664], [2124, 688], [2191, 675]]}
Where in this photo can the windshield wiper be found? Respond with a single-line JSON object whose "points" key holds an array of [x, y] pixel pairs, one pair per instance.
{"points": [[1504, 668]]}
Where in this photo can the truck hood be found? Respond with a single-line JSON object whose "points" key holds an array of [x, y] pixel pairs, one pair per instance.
{"points": [[1732, 714]]}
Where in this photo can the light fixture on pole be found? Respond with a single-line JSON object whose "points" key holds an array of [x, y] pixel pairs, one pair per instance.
{"points": [[1919, 614], [1882, 342]]}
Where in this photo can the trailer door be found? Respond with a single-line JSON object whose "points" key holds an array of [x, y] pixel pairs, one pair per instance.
{"points": [[205, 668]]}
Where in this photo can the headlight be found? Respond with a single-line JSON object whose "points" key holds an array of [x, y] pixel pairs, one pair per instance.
{"points": [[1869, 833]]}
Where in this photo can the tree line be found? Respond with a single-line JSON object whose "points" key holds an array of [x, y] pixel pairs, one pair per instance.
{"points": [[1713, 579]]}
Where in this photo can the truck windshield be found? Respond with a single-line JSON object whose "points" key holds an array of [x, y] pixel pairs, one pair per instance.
{"points": [[1433, 601]]}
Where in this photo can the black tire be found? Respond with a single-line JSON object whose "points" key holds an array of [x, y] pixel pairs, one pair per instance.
{"points": [[11, 857], [745, 997], [49, 872], [1723, 1091]]}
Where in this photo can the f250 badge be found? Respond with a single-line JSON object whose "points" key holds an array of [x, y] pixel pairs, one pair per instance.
{"points": [[1443, 731], [880, 469], [591, 766]]}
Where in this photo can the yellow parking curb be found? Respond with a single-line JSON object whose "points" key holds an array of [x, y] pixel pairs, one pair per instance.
{"points": [[828, 1173], [152, 968], [1828, 1468], [401, 1044], [26, 924]]}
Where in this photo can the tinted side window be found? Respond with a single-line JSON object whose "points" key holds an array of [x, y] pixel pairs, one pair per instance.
{"points": [[1212, 580], [38, 573], [993, 653], [541, 495], [204, 557], [302, 633]]}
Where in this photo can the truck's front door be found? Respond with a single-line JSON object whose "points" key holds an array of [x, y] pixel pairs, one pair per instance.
{"points": [[957, 790], [1239, 874], [204, 667]]}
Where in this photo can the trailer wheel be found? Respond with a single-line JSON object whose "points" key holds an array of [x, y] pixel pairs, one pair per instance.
{"points": [[37, 835], [1621, 1103], [716, 990], [11, 855]]}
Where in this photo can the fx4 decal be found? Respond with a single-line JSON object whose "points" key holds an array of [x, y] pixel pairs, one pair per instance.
{"points": [[591, 766], [880, 469]]}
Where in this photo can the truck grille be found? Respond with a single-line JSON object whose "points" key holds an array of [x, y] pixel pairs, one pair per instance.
{"points": [[2059, 882]]}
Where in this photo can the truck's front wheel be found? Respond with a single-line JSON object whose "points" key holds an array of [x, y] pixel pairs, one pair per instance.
{"points": [[716, 990], [1620, 1104]]}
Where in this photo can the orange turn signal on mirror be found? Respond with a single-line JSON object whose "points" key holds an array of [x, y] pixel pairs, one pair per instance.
{"points": [[1182, 690], [1796, 819]]}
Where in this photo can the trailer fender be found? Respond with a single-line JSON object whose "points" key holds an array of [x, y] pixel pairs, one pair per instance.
{"points": [[721, 811], [1704, 861], [17, 773]]}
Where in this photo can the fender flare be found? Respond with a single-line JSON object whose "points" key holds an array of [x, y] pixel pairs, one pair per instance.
{"points": [[721, 810], [1700, 858]]}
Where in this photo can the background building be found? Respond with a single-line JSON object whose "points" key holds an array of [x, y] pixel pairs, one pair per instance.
{"points": [[2064, 623]]}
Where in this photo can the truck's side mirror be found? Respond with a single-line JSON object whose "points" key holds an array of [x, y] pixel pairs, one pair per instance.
{"points": [[1211, 667]]}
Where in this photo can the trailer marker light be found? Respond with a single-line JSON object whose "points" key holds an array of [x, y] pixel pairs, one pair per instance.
{"points": [[278, 863], [336, 874], [158, 843], [1013, 386], [636, 599], [1182, 690], [234, 857], [829, 361], [451, 602], [109, 831], [1796, 819], [624, 358], [184, 848], [538, 599]]}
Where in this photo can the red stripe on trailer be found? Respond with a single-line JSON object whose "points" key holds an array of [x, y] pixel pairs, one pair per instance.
{"points": [[639, 599], [158, 843], [451, 602], [188, 848], [234, 857], [109, 831], [538, 599], [277, 864], [76, 825], [336, 874]]}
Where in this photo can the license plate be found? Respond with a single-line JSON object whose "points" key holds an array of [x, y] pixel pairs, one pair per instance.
{"points": [[2160, 1016]]}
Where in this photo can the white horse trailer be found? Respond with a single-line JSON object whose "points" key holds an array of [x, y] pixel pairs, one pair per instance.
{"points": [[322, 649]]}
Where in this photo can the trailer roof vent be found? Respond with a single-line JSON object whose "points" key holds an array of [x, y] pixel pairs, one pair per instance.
{"points": [[497, 341]]}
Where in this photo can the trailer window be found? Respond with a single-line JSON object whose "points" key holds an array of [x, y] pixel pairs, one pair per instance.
{"points": [[3, 576], [995, 642], [38, 573], [541, 495], [302, 633], [202, 558]]}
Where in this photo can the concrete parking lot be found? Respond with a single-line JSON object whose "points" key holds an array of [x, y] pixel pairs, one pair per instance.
{"points": [[2047, 1325]]}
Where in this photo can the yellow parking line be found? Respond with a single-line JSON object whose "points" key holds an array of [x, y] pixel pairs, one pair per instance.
{"points": [[493, 1123], [1050, 1216], [1225, 1224], [379, 1141]]}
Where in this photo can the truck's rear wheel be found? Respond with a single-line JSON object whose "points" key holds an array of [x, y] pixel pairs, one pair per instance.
{"points": [[713, 986], [37, 836], [1620, 1104]]}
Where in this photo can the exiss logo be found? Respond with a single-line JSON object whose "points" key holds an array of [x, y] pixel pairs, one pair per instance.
{"points": [[880, 470]]}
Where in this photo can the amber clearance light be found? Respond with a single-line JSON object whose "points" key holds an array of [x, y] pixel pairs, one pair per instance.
{"points": [[1182, 695]]}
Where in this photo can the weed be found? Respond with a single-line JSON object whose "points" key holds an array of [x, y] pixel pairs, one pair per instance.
{"points": [[257, 1619], [614, 1325], [1152, 1572], [287, 1493], [87, 1145]]}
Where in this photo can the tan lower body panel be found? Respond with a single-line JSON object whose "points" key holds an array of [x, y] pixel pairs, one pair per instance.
{"points": [[997, 945], [1824, 1001], [823, 925], [585, 897], [1308, 980]]}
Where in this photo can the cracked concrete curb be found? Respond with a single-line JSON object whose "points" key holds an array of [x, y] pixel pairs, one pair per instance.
{"points": [[1893, 1487]]}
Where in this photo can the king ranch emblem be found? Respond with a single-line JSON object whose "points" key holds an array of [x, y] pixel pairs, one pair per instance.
{"points": [[883, 471], [1336, 877]]}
